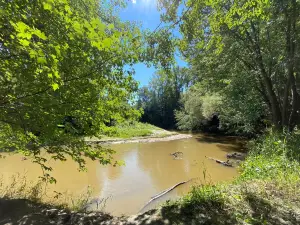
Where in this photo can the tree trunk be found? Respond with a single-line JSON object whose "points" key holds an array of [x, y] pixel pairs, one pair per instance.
{"points": [[274, 103], [273, 99], [291, 17]]}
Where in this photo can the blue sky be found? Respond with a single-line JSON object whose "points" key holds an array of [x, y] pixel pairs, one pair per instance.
{"points": [[145, 12]]}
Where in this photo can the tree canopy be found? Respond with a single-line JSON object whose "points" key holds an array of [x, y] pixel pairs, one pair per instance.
{"points": [[66, 70], [161, 97], [250, 43], [62, 65]]}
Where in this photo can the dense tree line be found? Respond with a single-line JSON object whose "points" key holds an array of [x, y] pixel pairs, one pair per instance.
{"points": [[245, 55], [161, 97]]}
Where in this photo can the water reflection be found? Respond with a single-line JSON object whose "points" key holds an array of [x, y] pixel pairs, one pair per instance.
{"points": [[149, 169]]}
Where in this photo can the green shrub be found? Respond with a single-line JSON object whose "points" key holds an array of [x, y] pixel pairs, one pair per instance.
{"points": [[208, 195], [133, 129], [273, 156]]}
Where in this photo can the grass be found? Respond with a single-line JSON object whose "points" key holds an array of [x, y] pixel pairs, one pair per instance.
{"points": [[134, 129], [18, 187], [266, 192], [23, 202]]}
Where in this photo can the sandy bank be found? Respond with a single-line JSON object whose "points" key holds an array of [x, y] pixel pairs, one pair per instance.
{"points": [[171, 137]]}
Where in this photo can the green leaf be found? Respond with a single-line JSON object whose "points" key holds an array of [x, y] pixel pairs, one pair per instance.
{"points": [[57, 49], [77, 26], [111, 26], [55, 86], [21, 27], [47, 6], [56, 74], [41, 60], [40, 34], [107, 43], [24, 42], [32, 53]]}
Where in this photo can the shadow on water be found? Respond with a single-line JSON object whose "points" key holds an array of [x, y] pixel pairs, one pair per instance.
{"points": [[224, 143], [217, 139], [230, 148]]}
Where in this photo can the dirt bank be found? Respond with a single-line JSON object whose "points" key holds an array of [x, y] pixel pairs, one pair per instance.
{"points": [[258, 202], [155, 138]]}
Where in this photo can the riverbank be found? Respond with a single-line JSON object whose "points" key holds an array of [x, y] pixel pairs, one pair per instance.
{"points": [[136, 132], [167, 137], [266, 192], [255, 202]]}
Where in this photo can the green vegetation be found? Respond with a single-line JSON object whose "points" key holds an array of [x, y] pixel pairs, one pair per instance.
{"points": [[63, 64], [198, 105], [244, 54], [20, 188], [133, 129], [266, 192], [161, 97], [66, 74], [273, 156]]}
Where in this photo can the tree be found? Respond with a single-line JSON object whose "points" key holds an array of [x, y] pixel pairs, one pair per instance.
{"points": [[161, 97], [62, 59], [198, 105], [258, 38]]}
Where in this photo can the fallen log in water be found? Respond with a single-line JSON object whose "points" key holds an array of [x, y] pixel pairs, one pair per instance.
{"points": [[236, 155], [163, 193], [221, 162], [176, 155]]}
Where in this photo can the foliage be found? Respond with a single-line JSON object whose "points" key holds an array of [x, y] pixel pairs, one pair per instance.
{"points": [[63, 59], [159, 48], [242, 111], [239, 108], [161, 97], [133, 129], [198, 105], [266, 192], [252, 44], [273, 156]]}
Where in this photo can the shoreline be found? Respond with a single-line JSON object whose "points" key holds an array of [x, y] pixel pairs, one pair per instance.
{"points": [[147, 139]]}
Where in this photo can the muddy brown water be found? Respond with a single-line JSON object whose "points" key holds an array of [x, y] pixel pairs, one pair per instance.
{"points": [[149, 169]]}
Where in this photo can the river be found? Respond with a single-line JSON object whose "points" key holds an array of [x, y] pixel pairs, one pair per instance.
{"points": [[149, 169]]}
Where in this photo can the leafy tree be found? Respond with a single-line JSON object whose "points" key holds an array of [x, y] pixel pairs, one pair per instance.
{"points": [[198, 106], [252, 40], [161, 97], [63, 59]]}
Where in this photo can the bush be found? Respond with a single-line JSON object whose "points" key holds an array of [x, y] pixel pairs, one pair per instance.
{"points": [[267, 191], [273, 156], [198, 106], [133, 129]]}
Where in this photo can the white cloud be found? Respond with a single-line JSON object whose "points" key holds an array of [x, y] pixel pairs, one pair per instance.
{"points": [[133, 1]]}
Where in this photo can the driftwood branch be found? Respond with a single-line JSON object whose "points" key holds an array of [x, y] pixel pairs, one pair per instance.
{"points": [[221, 162], [163, 193]]}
